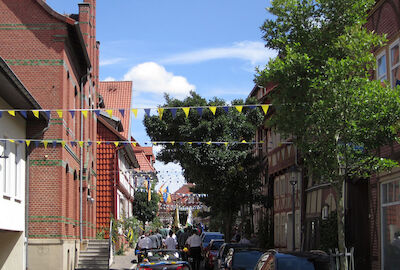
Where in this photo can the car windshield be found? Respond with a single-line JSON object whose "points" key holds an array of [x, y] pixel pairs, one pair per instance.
{"points": [[216, 245], [209, 237], [161, 255], [245, 260], [294, 263]]}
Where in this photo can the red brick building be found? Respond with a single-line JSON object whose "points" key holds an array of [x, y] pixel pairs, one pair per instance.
{"points": [[56, 58], [384, 189], [115, 162]]}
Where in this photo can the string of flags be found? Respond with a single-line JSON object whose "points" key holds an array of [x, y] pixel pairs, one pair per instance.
{"points": [[197, 195], [160, 110], [81, 144], [181, 208]]}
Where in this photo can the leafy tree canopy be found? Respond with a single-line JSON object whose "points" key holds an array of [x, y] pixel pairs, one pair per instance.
{"points": [[143, 209], [222, 172]]}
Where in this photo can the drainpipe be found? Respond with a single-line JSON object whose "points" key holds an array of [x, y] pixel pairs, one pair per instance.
{"points": [[81, 163], [116, 174]]}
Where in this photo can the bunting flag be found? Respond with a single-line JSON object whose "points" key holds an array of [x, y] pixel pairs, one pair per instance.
{"points": [[60, 113], [28, 142], [200, 111], [265, 108], [116, 144], [97, 112], [1, 114], [110, 113], [147, 112], [23, 113], [36, 113], [47, 113], [11, 112], [173, 112], [135, 111], [213, 109], [85, 113], [134, 144], [72, 114], [226, 109], [63, 144], [160, 112], [45, 144], [239, 108], [186, 111], [122, 112], [80, 144]]}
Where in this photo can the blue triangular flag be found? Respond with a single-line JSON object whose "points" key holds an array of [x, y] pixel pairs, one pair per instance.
{"points": [[72, 114], [251, 107], [37, 143], [1, 114], [181, 143], [107, 143], [122, 111], [89, 143], [200, 111], [97, 112], [147, 111], [23, 113], [19, 141], [73, 143], [48, 113], [226, 108], [199, 143], [173, 112], [54, 144]]}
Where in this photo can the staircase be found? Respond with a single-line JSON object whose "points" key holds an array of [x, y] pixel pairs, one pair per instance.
{"points": [[95, 256]]}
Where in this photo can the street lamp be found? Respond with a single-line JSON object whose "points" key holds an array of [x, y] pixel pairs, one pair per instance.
{"points": [[293, 171]]}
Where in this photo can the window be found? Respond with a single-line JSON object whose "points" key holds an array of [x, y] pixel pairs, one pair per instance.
{"points": [[381, 65], [3, 165], [394, 65]]}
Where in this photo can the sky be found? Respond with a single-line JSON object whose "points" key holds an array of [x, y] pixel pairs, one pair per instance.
{"points": [[175, 46]]}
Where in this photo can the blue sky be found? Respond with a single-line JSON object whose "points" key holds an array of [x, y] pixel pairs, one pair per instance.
{"points": [[174, 46]]}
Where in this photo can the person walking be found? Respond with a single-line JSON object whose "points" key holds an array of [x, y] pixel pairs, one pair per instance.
{"points": [[194, 243], [170, 242]]}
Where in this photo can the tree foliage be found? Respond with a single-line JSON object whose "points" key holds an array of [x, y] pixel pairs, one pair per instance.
{"points": [[325, 97], [228, 174], [145, 210]]}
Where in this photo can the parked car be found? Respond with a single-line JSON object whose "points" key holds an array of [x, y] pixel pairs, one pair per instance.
{"points": [[223, 252], [206, 237], [211, 254], [242, 258], [314, 260], [159, 259]]}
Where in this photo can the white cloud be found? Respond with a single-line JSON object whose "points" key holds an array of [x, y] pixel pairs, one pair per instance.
{"points": [[108, 62], [151, 77], [109, 79], [253, 51]]}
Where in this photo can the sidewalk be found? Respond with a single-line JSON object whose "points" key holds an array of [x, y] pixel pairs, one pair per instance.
{"points": [[124, 262]]}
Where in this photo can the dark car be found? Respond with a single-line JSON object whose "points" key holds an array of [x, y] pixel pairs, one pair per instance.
{"points": [[162, 259], [212, 252], [206, 237], [273, 260], [223, 252], [242, 258]]}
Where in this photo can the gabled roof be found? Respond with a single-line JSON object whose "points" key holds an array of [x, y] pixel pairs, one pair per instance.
{"points": [[185, 189], [144, 164], [14, 92], [118, 95]]}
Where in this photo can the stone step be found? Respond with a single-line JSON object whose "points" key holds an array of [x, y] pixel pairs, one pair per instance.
{"points": [[94, 254], [98, 267], [93, 261]]}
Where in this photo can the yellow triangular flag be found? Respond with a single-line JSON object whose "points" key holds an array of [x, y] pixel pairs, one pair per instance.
{"points": [[186, 111], [110, 112], [209, 143], [10, 140], [45, 144], [11, 113], [265, 108], [244, 141], [135, 112], [116, 144], [190, 143], [28, 142], [154, 143], [160, 112], [98, 142], [60, 113], [261, 142], [80, 144], [213, 109], [226, 144], [84, 112], [239, 108], [134, 144], [36, 113], [172, 142], [63, 144]]}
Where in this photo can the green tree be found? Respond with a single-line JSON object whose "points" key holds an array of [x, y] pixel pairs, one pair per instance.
{"points": [[324, 98], [143, 209], [221, 171]]}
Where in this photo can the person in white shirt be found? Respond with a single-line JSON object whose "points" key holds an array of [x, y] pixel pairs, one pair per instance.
{"points": [[194, 243], [144, 242], [170, 242]]}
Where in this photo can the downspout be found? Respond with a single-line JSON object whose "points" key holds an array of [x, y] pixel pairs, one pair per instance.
{"points": [[81, 164], [116, 174]]}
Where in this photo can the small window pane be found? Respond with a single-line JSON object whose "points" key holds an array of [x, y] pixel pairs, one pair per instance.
{"points": [[394, 53], [384, 193], [396, 76], [382, 66]]}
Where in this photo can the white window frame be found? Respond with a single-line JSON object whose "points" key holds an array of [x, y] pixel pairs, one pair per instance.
{"points": [[3, 164], [383, 76], [396, 43]]}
